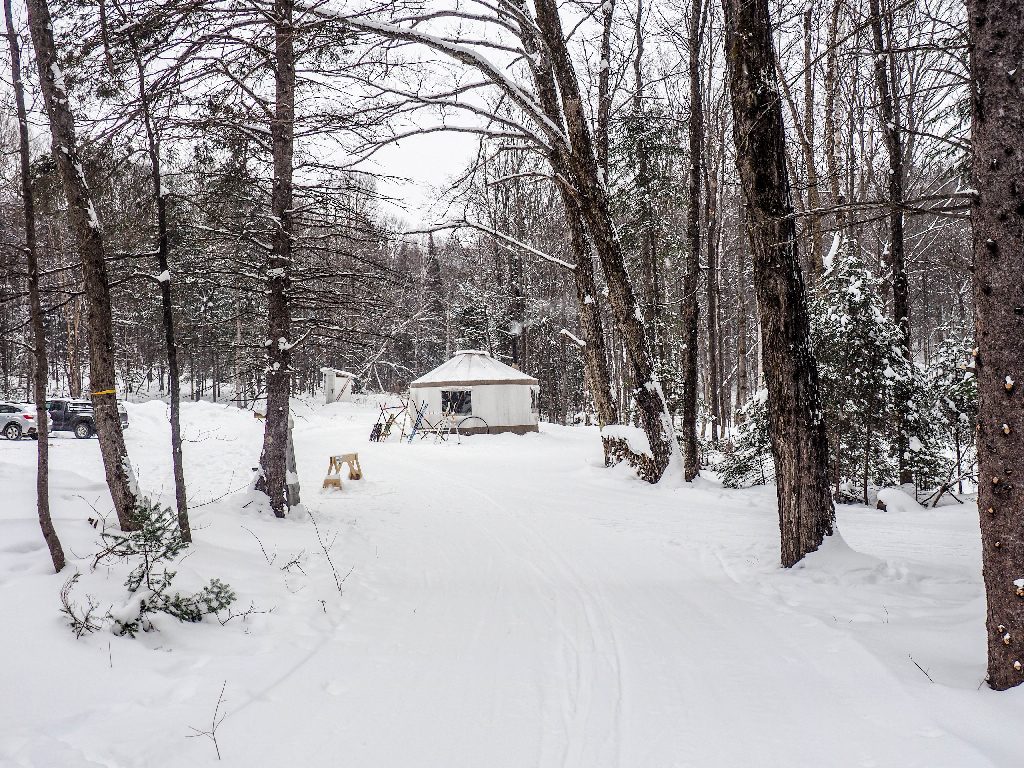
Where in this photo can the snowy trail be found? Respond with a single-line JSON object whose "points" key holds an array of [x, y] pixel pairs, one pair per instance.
{"points": [[513, 605], [523, 633]]}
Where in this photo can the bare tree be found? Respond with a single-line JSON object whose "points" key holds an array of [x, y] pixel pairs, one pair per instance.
{"points": [[594, 352], [647, 392], [651, 256], [164, 279], [897, 262], [40, 369], [690, 309]]}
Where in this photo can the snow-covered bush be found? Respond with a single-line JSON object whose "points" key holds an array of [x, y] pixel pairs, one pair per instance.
{"points": [[928, 454], [153, 545]]}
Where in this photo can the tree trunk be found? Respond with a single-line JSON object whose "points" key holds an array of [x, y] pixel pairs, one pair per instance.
{"points": [[274, 459], [813, 193], [829, 127], [84, 223], [996, 40], [292, 493], [742, 385], [440, 350], [867, 466], [798, 437], [604, 95], [646, 216], [74, 325], [711, 284], [166, 301], [241, 401], [595, 356], [517, 303], [689, 311], [35, 304], [892, 137]]}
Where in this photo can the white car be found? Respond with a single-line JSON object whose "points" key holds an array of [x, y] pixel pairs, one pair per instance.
{"points": [[17, 419]]}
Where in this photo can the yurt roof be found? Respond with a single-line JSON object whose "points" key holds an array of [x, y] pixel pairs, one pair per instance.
{"points": [[472, 366]]}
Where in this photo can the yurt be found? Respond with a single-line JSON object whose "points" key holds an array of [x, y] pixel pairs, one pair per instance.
{"points": [[473, 383]]}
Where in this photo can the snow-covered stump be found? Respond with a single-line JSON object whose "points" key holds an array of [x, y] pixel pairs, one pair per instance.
{"points": [[291, 474], [630, 445]]}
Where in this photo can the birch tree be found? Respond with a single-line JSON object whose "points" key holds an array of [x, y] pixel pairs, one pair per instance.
{"points": [[83, 221]]}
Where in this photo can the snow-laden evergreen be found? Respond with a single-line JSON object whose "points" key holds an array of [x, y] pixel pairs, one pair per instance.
{"points": [[863, 372]]}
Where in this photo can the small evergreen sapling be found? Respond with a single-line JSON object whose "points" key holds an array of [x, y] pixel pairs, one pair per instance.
{"points": [[153, 545], [750, 460], [929, 451]]}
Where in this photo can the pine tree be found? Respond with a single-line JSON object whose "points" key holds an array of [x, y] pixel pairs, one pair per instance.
{"points": [[471, 319], [861, 366], [153, 544], [996, 38]]}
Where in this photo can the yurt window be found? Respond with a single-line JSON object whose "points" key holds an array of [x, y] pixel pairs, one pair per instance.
{"points": [[457, 401]]}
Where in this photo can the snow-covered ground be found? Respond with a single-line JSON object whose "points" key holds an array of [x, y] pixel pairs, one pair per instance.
{"points": [[506, 603]]}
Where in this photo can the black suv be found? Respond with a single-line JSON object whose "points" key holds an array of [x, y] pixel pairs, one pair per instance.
{"points": [[67, 415]]}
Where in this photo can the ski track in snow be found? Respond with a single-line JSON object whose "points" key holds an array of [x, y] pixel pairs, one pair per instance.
{"points": [[512, 604]]}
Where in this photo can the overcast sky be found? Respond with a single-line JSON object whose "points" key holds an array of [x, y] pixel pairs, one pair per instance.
{"points": [[429, 162]]}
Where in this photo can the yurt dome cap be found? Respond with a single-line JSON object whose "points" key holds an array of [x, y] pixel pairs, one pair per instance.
{"points": [[473, 366]]}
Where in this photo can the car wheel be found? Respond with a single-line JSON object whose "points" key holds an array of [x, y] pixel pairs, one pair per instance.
{"points": [[83, 430], [12, 431]]}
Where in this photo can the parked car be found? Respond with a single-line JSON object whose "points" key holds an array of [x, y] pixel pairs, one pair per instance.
{"points": [[70, 415], [17, 419]]}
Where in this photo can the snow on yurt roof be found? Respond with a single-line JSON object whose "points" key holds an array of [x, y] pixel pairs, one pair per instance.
{"points": [[472, 366]]}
